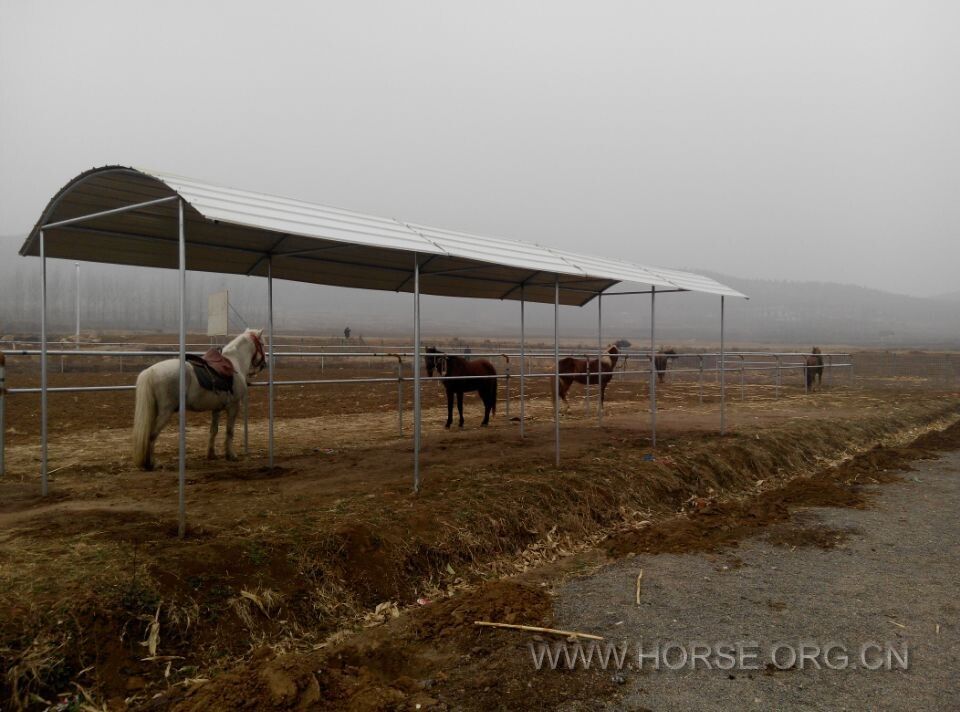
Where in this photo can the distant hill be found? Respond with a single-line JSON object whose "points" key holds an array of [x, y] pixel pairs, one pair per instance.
{"points": [[801, 312], [948, 297]]}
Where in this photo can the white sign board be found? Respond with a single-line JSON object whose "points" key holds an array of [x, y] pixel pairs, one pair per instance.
{"points": [[218, 314]]}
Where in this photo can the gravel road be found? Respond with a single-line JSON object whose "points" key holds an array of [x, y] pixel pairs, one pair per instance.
{"points": [[894, 578]]}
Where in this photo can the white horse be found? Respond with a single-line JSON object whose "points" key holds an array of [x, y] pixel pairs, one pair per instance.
{"points": [[158, 396]]}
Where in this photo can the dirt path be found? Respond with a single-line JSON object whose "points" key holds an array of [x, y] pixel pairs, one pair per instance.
{"points": [[889, 573]]}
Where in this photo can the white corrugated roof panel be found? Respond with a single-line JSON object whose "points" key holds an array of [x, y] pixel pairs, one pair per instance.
{"points": [[236, 231], [697, 282], [525, 255], [296, 217]]}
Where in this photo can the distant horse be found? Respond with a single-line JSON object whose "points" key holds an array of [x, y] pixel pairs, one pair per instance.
{"points": [[814, 368], [575, 370], [456, 366], [215, 382], [661, 361]]}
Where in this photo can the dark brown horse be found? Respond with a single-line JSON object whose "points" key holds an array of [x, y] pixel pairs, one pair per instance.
{"points": [[579, 370], [814, 368], [661, 361], [457, 367]]}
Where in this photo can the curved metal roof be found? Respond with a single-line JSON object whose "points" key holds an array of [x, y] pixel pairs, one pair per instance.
{"points": [[236, 231]]}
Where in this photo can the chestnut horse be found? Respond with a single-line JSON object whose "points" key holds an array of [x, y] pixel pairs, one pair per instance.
{"points": [[576, 370], [457, 366], [661, 361], [814, 368]]}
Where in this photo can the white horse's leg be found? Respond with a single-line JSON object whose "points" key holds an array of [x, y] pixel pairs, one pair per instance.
{"points": [[232, 411], [164, 413], [214, 429]]}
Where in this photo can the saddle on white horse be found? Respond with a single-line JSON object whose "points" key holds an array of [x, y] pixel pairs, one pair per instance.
{"points": [[213, 370]]}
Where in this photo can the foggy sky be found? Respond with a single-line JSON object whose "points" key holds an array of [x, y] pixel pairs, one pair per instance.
{"points": [[786, 140]]}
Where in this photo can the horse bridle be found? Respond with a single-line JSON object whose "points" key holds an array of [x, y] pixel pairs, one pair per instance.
{"points": [[259, 358]]}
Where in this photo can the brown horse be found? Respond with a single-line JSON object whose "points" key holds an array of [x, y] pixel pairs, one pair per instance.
{"points": [[457, 367], [579, 370], [661, 361], [814, 368]]}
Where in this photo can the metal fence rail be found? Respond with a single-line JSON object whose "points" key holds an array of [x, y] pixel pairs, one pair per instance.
{"points": [[733, 363]]}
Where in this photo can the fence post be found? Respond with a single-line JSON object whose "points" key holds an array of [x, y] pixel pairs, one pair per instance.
{"points": [[586, 391], [777, 390], [507, 386], [741, 378], [400, 394], [246, 423], [830, 369], [700, 378]]}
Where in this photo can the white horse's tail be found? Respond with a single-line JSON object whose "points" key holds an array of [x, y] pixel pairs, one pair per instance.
{"points": [[144, 417]]}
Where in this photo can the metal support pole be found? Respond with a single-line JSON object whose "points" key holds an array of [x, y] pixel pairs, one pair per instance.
{"points": [[270, 362], [416, 372], [556, 369], [3, 411], [653, 367], [182, 409], [600, 359], [77, 264], [43, 365], [523, 364], [722, 370]]}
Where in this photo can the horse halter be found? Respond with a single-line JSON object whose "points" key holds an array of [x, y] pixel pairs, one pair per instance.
{"points": [[259, 359]]}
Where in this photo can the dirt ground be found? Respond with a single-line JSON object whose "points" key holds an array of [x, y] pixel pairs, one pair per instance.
{"points": [[104, 603], [435, 657]]}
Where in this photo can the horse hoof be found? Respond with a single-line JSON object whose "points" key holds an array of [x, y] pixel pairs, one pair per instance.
{"points": [[447, 426], [212, 456], [233, 457]]}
